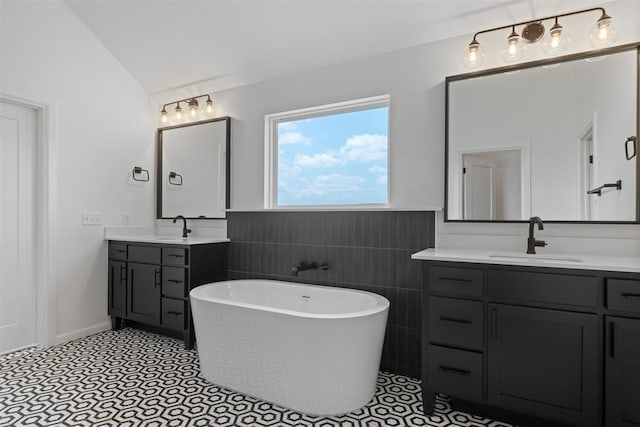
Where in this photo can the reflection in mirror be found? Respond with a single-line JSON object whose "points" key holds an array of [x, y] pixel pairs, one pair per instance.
{"points": [[542, 140], [193, 168]]}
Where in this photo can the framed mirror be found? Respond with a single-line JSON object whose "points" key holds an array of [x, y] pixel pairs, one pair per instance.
{"points": [[556, 139], [193, 163]]}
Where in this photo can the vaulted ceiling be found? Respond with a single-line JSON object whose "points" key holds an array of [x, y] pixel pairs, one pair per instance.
{"points": [[218, 44]]}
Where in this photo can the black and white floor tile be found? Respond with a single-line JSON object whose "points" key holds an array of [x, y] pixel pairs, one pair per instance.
{"points": [[135, 378]]}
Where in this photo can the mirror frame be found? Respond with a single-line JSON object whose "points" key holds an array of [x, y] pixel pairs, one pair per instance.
{"points": [[538, 63], [159, 164]]}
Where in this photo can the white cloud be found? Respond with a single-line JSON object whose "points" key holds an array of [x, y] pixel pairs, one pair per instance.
{"points": [[321, 160], [287, 170], [378, 169], [293, 138], [382, 179], [328, 184], [365, 147], [287, 126]]}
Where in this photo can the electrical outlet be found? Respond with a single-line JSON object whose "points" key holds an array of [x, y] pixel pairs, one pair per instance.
{"points": [[126, 218], [91, 218]]}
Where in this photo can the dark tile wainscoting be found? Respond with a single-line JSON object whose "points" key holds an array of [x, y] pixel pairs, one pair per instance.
{"points": [[369, 250]]}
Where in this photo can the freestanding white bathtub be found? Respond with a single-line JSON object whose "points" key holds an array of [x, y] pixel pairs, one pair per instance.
{"points": [[313, 349]]}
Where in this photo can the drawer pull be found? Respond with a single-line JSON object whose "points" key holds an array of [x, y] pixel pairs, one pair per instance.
{"points": [[176, 255], [494, 324], [455, 280], [174, 281], [455, 371], [175, 313], [454, 320], [120, 251], [612, 340], [631, 296]]}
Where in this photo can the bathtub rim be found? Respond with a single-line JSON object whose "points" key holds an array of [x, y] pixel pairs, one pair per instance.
{"points": [[382, 305]]}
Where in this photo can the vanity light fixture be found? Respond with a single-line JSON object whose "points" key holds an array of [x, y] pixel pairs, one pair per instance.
{"points": [[193, 112], [555, 42]]}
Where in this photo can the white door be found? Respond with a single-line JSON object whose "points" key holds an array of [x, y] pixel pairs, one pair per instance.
{"points": [[17, 227], [477, 189]]}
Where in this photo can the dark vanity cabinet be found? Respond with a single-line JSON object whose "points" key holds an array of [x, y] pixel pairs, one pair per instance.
{"points": [[558, 344], [622, 353], [149, 283]]}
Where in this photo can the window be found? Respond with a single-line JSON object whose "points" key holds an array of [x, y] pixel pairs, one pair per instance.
{"points": [[333, 155]]}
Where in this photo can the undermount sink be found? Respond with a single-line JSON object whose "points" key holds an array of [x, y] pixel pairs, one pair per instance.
{"points": [[530, 257]]}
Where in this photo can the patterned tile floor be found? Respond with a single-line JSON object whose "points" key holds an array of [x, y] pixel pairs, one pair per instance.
{"points": [[135, 378]]}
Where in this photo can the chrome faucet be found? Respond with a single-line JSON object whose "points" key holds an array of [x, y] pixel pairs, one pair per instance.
{"points": [[185, 230], [303, 266], [531, 241]]}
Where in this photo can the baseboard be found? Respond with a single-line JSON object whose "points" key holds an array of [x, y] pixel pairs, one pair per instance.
{"points": [[84, 332]]}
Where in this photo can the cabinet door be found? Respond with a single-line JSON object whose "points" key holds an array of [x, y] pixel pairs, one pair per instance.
{"points": [[543, 362], [117, 288], [622, 370], [143, 285]]}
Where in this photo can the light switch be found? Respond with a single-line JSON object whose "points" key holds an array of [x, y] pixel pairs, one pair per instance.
{"points": [[91, 218]]}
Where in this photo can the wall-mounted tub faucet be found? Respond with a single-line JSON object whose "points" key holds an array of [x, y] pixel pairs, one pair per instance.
{"points": [[185, 230], [531, 241], [303, 266]]}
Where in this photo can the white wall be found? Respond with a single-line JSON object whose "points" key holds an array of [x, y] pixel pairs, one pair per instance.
{"points": [[529, 110], [615, 118], [414, 77], [198, 154], [102, 126]]}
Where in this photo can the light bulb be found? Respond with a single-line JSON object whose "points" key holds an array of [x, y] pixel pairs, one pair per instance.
{"points": [[193, 108], [209, 105], [514, 51], [473, 55], [164, 117], [603, 34], [556, 41], [178, 114]]}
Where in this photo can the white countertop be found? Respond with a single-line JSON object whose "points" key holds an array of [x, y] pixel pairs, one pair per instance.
{"points": [[172, 240], [573, 261]]}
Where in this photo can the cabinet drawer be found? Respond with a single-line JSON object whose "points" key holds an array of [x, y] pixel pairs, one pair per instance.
{"points": [[457, 373], [174, 282], [455, 322], [458, 281], [144, 254], [173, 313], [174, 256], [553, 288], [623, 295], [118, 251]]}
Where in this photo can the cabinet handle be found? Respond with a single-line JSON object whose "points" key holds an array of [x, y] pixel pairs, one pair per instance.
{"points": [[157, 278], [612, 341], [453, 320], [455, 280], [174, 281], [176, 256], [455, 371], [631, 296], [175, 313], [123, 273], [494, 324]]}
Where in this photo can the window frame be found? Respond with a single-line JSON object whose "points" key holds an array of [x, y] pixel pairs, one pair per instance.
{"points": [[271, 148]]}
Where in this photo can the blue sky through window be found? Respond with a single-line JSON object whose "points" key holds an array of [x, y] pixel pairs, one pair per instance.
{"points": [[340, 159]]}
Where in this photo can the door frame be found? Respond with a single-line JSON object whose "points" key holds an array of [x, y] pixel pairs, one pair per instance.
{"points": [[525, 174], [46, 215]]}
